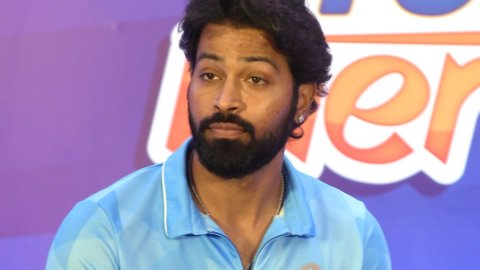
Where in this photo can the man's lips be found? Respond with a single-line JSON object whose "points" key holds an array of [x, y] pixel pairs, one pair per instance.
{"points": [[226, 130]]}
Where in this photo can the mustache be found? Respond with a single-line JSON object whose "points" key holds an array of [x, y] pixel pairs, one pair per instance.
{"points": [[227, 118]]}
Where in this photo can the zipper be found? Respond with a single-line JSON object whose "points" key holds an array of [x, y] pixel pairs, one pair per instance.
{"points": [[231, 244], [262, 247], [257, 254]]}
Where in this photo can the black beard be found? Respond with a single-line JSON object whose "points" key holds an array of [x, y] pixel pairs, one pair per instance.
{"points": [[234, 158]]}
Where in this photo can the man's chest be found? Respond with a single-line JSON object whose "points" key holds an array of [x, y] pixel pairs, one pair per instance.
{"points": [[216, 251]]}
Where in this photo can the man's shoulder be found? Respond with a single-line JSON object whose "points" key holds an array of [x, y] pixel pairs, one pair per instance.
{"points": [[325, 195], [137, 184], [345, 219]]}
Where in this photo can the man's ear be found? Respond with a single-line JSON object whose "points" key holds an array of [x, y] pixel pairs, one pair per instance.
{"points": [[306, 95]]}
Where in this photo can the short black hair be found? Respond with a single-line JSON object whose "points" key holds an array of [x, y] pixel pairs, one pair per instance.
{"points": [[294, 29]]}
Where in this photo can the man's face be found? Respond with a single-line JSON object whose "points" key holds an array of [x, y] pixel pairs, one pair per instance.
{"points": [[241, 103]]}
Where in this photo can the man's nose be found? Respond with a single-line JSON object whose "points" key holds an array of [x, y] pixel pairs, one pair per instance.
{"points": [[229, 99]]}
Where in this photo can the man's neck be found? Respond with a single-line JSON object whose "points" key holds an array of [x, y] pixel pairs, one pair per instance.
{"points": [[244, 207], [244, 201]]}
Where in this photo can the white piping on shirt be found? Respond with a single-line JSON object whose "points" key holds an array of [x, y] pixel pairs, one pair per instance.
{"points": [[164, 199]]}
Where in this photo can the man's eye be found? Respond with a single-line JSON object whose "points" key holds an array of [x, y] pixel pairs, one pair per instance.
{"points": [[256, 80], [208, 76]]}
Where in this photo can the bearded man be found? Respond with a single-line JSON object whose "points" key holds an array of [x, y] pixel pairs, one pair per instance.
{"points": [[228, 198]]}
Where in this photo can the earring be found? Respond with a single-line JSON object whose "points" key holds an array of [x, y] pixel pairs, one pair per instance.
{"points": [[301, 118]]}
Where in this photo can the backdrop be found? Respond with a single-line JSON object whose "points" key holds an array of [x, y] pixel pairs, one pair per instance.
{"points": [[93, 90]]}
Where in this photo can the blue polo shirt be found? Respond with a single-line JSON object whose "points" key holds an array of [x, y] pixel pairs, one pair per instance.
{"points": [[148, 220]]}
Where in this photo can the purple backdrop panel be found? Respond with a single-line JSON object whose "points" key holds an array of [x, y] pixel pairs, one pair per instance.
{"points": [[78, 83]]}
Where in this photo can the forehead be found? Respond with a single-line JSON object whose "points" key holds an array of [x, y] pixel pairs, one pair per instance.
{"points": [[228, 39]]}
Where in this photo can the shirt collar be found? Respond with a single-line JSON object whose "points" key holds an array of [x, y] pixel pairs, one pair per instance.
{"points": [[182, 217], [296, 212]]}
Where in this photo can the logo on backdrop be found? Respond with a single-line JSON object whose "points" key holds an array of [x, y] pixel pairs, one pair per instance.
{"points": [[403, 98]]}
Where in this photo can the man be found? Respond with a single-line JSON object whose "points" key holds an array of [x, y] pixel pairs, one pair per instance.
{"points": [[228, 198]]}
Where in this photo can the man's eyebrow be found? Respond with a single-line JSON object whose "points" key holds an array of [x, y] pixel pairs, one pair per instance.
{"points": [[267, 60], [210, 56]]}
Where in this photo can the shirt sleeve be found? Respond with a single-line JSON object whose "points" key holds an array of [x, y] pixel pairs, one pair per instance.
{"points": [[376, 254], [85, 240]]}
